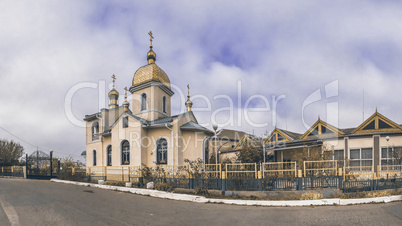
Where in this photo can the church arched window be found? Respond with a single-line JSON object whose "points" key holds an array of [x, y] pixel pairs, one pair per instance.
{"points": [[164, 104], [125, 153], [143, 101], [95, 130], [161, 151], [109, 155], [94, 157]]}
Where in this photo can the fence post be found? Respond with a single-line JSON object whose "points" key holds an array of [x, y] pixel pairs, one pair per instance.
{"points": [[51, 164], [340, 177], [300, 180], [140, 179], [89, 174], [344, 173], [260, 180], [129, 173], [223, 180], [374, 182], [122, 173], [24, 169], [26, 165], [190, 181], [58, 166]]}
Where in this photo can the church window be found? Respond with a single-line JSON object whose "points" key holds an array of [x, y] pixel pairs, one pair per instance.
{"points": [[94, 157], [109, 155], [143, 102], [164, 104], [125, 122], [125, 153], [161, 151], [95, 131]]}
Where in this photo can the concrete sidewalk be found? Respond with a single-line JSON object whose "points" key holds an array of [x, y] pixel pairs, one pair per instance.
{"points": [[202, 199]]}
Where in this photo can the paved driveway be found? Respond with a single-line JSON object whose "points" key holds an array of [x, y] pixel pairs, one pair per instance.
{"points": [[33, 202]]}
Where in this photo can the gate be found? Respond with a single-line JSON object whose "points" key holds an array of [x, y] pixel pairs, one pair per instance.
{"points": [[40, 165]]}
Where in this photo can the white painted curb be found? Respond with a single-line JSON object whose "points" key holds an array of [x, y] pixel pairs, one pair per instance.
{"points": [[202, 199]]}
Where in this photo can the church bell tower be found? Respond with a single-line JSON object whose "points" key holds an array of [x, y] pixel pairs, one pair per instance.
{"points": [[151, 91]]}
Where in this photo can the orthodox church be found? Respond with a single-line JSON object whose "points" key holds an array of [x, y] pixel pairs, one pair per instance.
{"points": [[145, 133]]}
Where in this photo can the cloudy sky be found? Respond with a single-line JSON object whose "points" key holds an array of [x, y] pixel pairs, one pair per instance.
{"points": [[251, 65]]}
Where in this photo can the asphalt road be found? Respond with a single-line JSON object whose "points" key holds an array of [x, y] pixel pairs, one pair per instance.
{"points": [[33, 202]]}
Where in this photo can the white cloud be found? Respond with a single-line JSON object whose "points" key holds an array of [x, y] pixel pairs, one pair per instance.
{"points": [[273, 47]]}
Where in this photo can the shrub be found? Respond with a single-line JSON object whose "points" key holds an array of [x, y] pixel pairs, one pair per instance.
{"points": [[136, 184], [116, 183], [66, 175], [311, 195], [163, 187], [201, 190]]}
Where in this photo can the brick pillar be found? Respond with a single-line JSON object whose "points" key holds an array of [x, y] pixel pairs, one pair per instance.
{"points": [[299, 180], [223, 181]]}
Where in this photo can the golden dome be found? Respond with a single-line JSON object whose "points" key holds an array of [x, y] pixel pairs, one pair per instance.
{"points": [[150, 72], [113, 92]]}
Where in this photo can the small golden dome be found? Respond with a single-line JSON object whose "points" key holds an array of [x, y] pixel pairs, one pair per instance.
{"points": [[113, 92], [126, 103], [150, 72], [151, 56]]}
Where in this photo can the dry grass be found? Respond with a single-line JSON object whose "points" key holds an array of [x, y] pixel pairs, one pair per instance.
{"points": [[311, 195], [163, 187], [116, 183], [367, 194]]}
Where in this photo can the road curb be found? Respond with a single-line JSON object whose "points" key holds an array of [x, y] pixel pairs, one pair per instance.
{"points": [[202, 199]]}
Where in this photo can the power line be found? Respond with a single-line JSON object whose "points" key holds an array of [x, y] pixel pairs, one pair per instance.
{"points": [[36, 146]]}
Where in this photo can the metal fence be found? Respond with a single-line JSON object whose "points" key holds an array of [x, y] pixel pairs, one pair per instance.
{"points": [[241, 177], [241, 170], [358, 173], [279, 169], [12, 171], [247, 177], [207, 175], [389, 171], [320, 168], [321, 182], [117, 173], [279, 183]]}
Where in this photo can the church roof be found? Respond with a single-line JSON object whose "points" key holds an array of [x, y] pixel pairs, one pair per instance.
{"points": [[292, 135], [160, 121], [194, 126]]}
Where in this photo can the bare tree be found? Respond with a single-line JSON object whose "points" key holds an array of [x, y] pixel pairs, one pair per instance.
{"points": [[316, 153], [10, 152], [250, 154]]}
